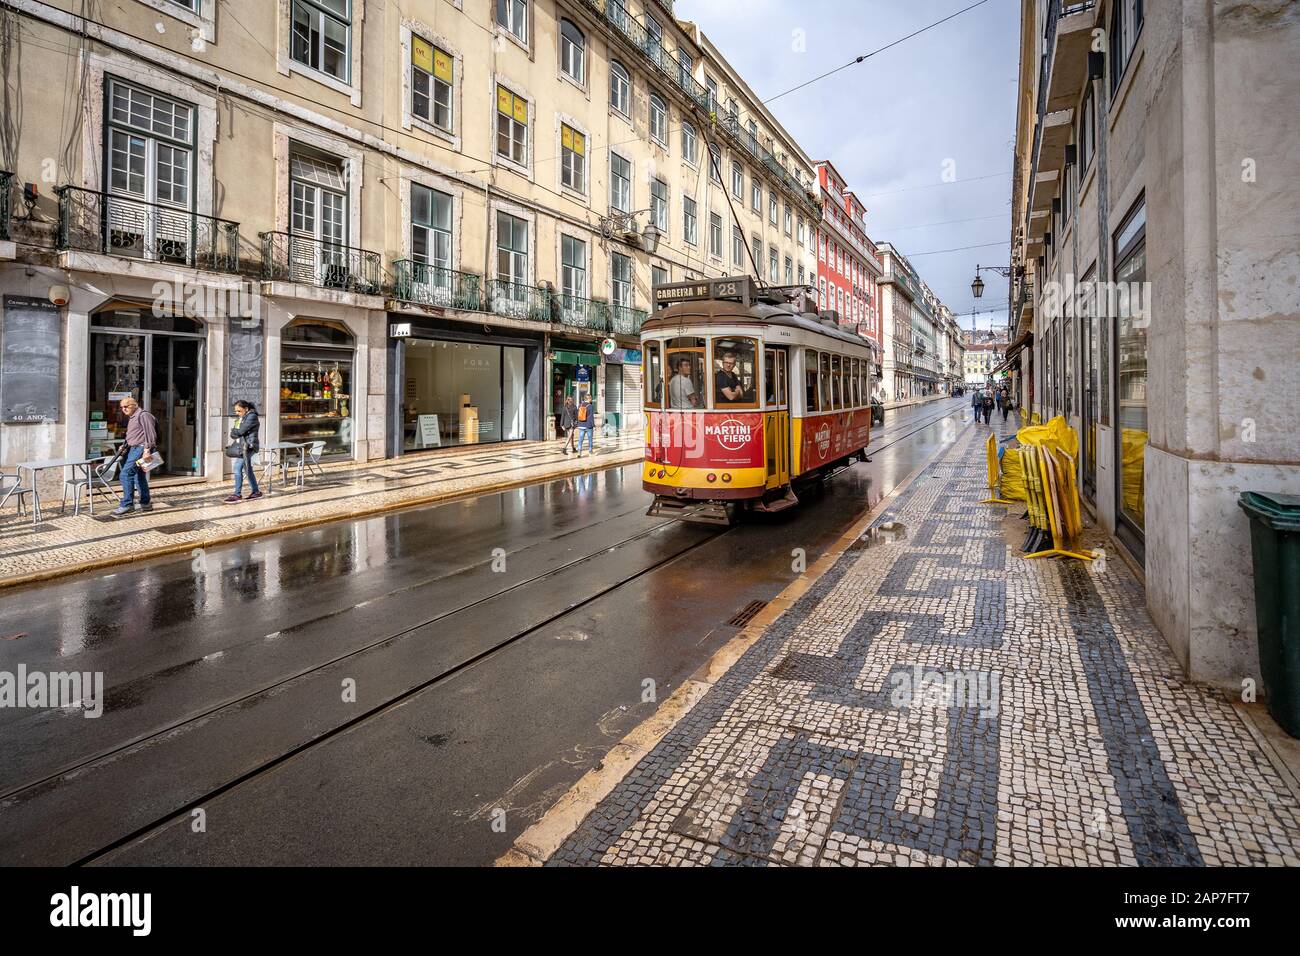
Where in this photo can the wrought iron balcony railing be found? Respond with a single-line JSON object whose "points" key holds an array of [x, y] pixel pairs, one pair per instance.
{"points": [[517, 301], [318, 262], [626, 320], [116, 225], [579, 313], [426, 284], [6, 184]]}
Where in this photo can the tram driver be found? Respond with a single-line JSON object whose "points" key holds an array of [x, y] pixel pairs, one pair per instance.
{"points": [[681, 390], [727, 387]]}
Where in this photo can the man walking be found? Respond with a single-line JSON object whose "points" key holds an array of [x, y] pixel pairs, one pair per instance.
{"points": [[139, 448], [586, 425]]}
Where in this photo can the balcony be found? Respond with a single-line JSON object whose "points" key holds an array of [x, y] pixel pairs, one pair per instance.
{"points": [[6, 185], [670, 70], [513, 300], [1068, 37], [110, 224], [287, 257], [1052, 139], [625, 320], [424, 284]]}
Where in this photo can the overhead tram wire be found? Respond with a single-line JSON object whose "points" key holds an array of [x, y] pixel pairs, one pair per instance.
{"points": [[864, 56]]}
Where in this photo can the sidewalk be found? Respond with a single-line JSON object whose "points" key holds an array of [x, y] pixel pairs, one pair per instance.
{"points": [[926, 696], [190, 516]]}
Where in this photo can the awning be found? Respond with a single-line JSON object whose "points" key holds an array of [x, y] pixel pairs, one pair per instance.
{"points": [[577, 358], [1012, 359]]}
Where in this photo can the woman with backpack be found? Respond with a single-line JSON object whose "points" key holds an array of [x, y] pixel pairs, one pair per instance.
{"points": [[243, 445]]}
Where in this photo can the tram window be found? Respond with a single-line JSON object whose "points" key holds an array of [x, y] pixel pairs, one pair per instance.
{"points": [[864, 381], [685, 361], [654, 376], [735, 374], [830, 387], [845, 395], [780, 382], [810, 381], [769, 378], [857, 391]]}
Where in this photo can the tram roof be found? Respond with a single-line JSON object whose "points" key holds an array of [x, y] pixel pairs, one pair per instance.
{"points": [[704, 303]]}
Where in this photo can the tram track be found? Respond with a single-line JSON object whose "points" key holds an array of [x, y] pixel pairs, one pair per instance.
{"points": [[179, 803]]}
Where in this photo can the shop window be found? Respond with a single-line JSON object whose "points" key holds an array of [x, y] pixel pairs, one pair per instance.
{"points": [[462, 393], [735, 378], [1131, 321], [431, 83], [316, 376], [685, 361], [812, 393], [654, 375]]}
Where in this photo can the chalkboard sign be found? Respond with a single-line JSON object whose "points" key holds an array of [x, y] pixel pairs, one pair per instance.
{"points": [[245, 352], [30, 362]]}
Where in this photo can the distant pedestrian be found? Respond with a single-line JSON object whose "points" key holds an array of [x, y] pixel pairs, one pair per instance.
{"points": [[988, 406], [586, 425], [243, 445], [975, 402], [568, 419], [139, 448]]}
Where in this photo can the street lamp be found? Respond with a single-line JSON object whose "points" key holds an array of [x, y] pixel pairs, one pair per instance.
{"points": [[977, 287], [622, 225]]}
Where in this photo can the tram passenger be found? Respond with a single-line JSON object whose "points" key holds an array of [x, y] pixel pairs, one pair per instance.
{"points": [[681, 390], [727, 387]]}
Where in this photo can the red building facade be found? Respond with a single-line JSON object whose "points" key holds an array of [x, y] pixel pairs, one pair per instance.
{"points": [[848, 264]]}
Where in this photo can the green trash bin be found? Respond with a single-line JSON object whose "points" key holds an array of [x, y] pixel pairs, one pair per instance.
{"points": [[1275, 548]]}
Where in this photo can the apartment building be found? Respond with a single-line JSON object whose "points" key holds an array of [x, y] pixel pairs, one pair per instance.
{"points": [[913, 324], [1154, 303], [848, 264], [395, 226]]}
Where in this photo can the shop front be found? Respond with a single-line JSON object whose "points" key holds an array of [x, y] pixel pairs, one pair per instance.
{"points": [[622, 375], [157, 359], [453, 388], [316, 391], [575, 368]]}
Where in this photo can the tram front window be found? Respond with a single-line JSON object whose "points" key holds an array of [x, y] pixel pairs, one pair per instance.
{"points": [[769, 378], [654, 380], [734, 378]]}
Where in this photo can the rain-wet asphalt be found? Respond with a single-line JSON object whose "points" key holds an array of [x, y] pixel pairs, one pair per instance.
{"points": [[498, 647]]}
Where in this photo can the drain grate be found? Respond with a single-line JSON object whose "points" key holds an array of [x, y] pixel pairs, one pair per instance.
{"points": [[747, 613]]}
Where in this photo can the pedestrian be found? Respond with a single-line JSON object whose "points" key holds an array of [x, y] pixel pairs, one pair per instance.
{"points": [[243, 445], [568, 418], [586, 417], [999, 399], [988, 406], [138, 449], [1008, 406]]}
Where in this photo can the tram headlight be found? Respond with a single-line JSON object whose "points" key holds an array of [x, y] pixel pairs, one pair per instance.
{"points": [[662, 473], [712, 477], [726, 478]]}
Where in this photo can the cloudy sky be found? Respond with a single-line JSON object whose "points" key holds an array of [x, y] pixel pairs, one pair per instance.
{"points": [[892, 122]]}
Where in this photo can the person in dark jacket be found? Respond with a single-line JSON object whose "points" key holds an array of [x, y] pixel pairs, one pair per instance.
{"points": [[569, 419], [245, 432], [586, 425]]}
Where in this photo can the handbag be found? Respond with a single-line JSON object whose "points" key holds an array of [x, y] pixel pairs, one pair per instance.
{"points": [[235, 449]]}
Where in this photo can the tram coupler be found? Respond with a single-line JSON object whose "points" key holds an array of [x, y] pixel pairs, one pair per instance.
{"points": [[704, 512]]}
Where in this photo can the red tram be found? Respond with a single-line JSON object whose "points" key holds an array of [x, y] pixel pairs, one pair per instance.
{"points": [[748, 394]]}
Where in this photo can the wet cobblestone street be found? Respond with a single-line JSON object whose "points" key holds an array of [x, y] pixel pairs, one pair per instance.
{"points": [[936, 699]]}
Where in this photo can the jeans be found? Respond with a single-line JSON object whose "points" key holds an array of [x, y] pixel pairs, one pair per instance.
{"points": [[133, 478], [586, 435], [244, 466]]}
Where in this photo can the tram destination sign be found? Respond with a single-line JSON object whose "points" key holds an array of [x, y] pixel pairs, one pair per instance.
{"points": [[737, 288]]}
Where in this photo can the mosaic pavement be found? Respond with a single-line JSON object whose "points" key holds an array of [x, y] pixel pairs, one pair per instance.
{"points": [[935, 699], [188, 515]]}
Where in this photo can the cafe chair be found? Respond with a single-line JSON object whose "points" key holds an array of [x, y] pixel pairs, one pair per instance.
{"points": [[314, 451], [16, 490]]}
